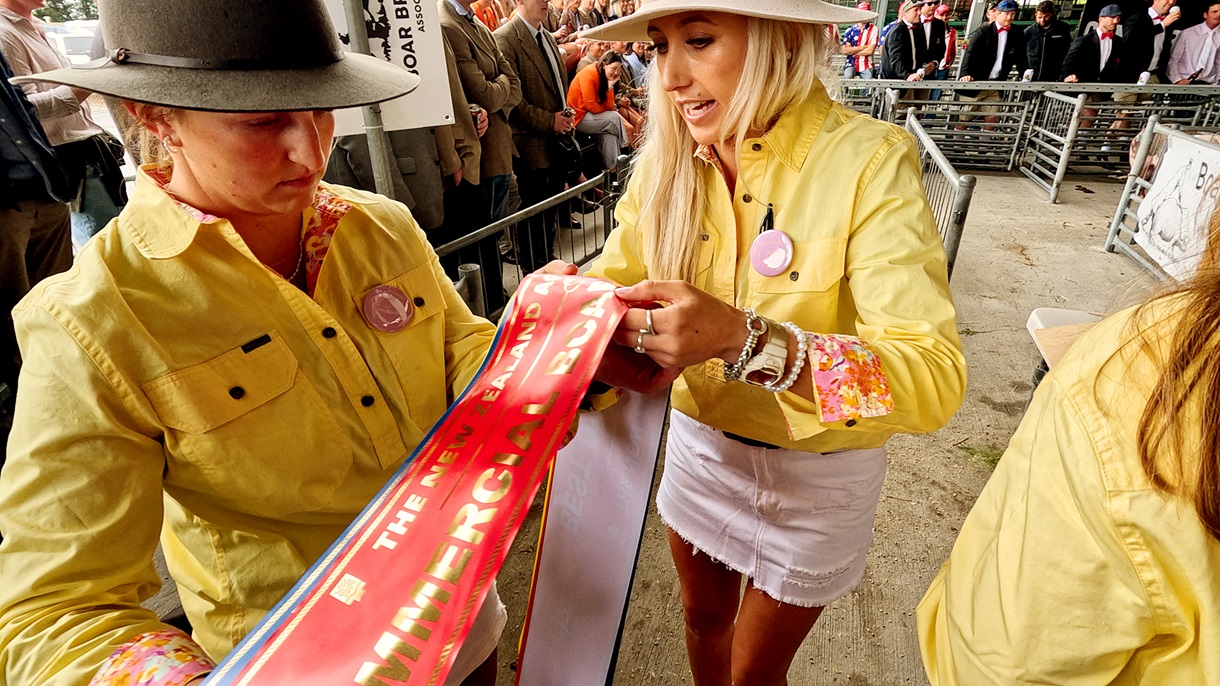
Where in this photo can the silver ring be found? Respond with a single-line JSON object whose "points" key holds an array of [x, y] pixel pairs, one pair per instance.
{"points": [[648, 323], [639, 341]]}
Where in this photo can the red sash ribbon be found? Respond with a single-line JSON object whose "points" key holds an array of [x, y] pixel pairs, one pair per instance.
{"points": [[392, 600]]}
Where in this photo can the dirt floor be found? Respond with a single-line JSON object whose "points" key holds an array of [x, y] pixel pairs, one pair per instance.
{"points": [[1018, 253]]}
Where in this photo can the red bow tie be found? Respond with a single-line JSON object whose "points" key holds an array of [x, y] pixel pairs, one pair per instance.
{"points": [[1159, 17], [1002, 29], [1107, 34], [925, 20]]}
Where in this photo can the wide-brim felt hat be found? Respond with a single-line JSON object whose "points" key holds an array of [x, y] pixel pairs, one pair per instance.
{"points": [[230, 56], [634, 27]]}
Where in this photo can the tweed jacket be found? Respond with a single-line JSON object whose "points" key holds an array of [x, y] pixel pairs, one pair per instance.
{"points": [[533, 119], [556, 19], [488, 81], [417, 160]]}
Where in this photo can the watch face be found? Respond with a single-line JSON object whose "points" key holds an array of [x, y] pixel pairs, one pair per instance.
{"points": [[761, 376]]}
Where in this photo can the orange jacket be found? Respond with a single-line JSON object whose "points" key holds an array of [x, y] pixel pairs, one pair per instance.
{"points": [[488, 13], [582, 94]]}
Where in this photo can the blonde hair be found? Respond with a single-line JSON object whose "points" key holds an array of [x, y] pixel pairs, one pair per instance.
{"points": [[150, 148], [784, 62]]}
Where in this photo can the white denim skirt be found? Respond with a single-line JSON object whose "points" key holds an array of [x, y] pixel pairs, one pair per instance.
{"points": [[798, 524]]}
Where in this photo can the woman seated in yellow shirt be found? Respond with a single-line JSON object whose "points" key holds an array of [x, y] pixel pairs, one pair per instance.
{"points": [[805, 295], [1092, 555], [246, 353]]}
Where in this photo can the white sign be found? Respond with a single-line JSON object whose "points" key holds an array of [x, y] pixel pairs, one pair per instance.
{"points": [[406, 33], [1174, 214]]}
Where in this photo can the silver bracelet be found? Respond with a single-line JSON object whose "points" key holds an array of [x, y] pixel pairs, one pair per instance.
{"points": [[732, 370], [802, 352]]}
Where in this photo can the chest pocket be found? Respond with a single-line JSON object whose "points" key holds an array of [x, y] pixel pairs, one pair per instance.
{"points": [[818, 266], [253, 428], [417, 352]]}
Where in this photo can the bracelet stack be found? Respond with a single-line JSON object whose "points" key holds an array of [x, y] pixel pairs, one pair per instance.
{"points": [[732, 370], [802, 352]]}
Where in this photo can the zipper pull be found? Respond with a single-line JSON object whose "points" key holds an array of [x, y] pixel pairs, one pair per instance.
{"points": [[768, 222]]}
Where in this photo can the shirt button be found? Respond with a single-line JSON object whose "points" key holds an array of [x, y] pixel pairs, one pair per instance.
{"points": [[747, 198], [757, 147], [237, 393], [850, 422], [329, 332], [368, 401], [419, 302]]}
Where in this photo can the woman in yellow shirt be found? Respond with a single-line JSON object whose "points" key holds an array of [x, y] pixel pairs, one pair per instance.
{"points": [[805, 295], [246, 354], [1091, 556]]}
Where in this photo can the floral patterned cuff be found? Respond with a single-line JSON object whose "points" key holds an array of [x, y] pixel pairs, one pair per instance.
{"points": [[166, 658], [848, 377]]}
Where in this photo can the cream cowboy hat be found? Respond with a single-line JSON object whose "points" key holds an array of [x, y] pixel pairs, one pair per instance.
{"points": [[230, 56], [634, 27]]}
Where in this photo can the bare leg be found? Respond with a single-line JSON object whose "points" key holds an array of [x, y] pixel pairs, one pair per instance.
{"points": [[767, 637], [710, 595], [631, 127]]}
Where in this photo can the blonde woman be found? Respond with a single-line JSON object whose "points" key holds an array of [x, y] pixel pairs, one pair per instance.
{"points": [[804, 293]]}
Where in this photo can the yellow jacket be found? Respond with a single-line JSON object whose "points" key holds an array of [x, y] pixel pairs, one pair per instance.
{"points": [[127, 411], [868, 262], [1071, 569]]}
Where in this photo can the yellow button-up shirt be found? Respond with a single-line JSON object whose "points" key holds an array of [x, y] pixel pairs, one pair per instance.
{"points": [[868, 262], [170, 373], [1071, 569]]}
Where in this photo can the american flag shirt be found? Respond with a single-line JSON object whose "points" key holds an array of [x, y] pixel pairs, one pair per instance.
{"points": [[855, 37]]}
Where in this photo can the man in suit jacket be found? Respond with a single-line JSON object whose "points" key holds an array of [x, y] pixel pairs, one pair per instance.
{"points": [[587, 15], [536, 121], [490, 82], [559, 22], [905, 55], [1095, 56], [1146, 42], [995, 49], [935, 36], [993, 52]]}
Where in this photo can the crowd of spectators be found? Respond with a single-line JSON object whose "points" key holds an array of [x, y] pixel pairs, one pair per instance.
{"points": [[1141, 48], [536, 91]]}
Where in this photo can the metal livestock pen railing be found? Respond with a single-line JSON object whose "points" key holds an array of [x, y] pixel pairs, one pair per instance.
{"points": [[1149, 160], [948, 192], [1051, 135], [970, 142], [577, 244]]}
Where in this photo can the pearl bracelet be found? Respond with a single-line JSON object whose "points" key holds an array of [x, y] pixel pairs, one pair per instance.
{"points": [[732, 370], [802, 351]]}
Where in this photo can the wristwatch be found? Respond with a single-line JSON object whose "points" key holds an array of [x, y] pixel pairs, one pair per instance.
{"points": [[767, 366]]}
